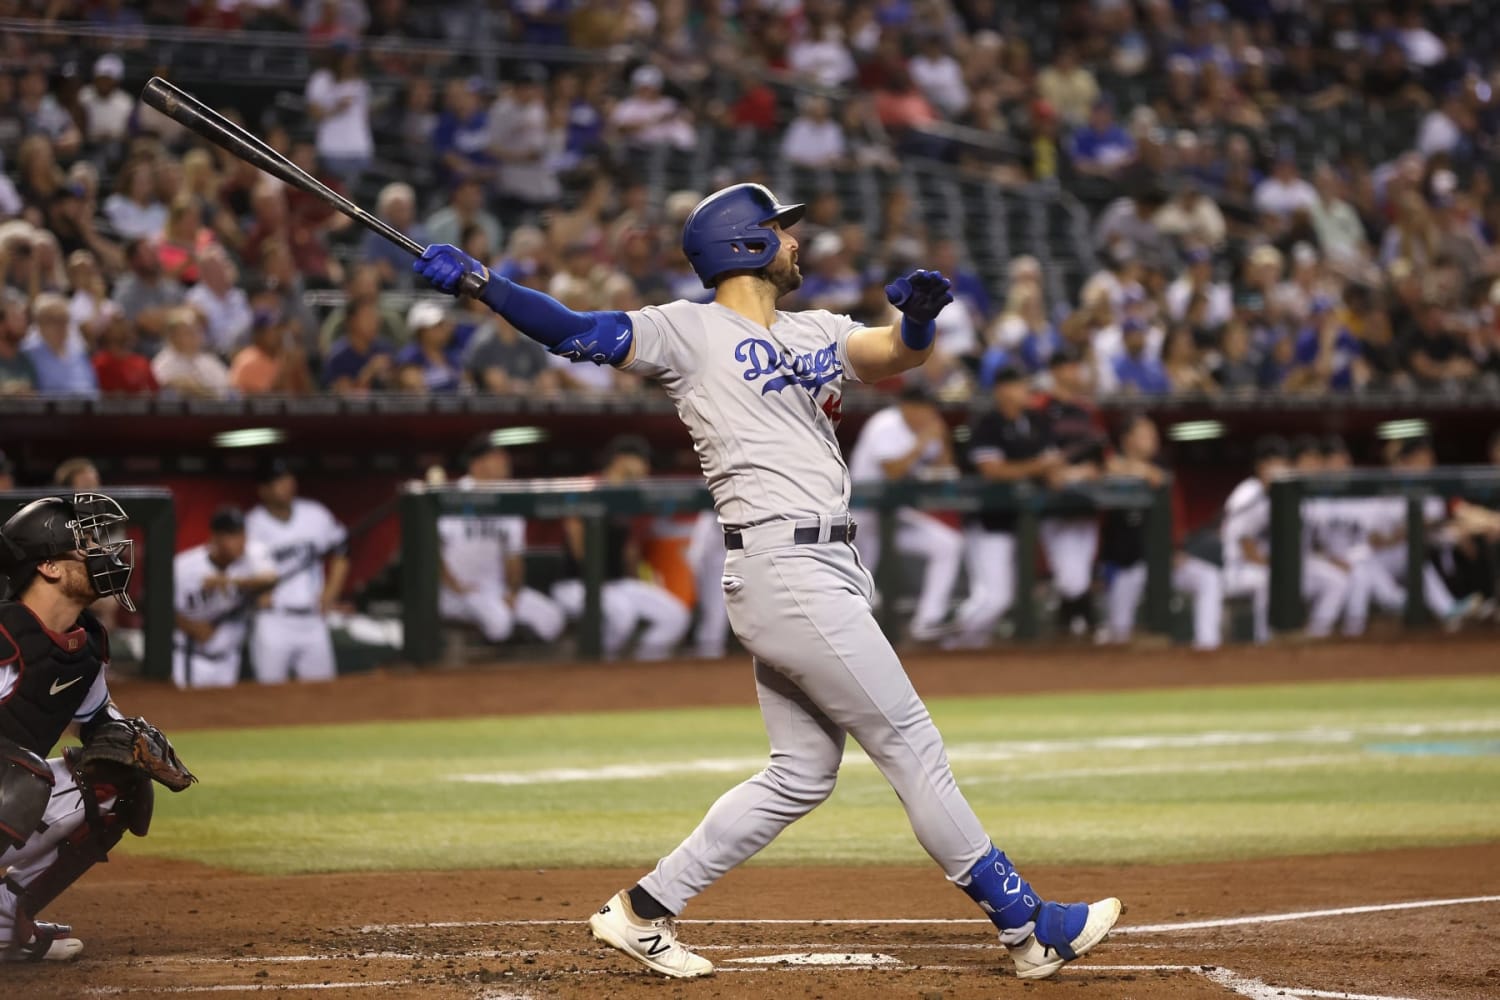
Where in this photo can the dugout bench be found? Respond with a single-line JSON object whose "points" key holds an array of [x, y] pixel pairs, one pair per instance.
{"points": [[1476, 484], [421, 505]]}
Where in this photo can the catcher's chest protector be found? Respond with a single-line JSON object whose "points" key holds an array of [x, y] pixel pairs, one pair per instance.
{"points": [[57, 671]]}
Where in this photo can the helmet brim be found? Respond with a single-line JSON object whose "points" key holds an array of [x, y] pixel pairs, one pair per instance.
{"points": [[788, 215]]}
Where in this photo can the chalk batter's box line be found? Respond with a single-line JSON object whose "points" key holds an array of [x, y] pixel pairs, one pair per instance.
{"points": [[1169, 928]]}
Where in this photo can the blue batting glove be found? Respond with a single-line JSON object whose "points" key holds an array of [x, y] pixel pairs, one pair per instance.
{"points": [[445, 265], [921, 295]]}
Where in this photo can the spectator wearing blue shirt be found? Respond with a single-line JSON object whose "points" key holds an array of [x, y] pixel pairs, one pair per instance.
{"points": [[360, 362], [462, 137], [1102, 148], [430, 363], [396, 204], [1327, 353], [1135, 369], [62, 364]]}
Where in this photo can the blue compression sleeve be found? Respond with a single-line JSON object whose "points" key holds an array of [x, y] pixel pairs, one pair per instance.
{"points": [[601, 337], [917, 336]]}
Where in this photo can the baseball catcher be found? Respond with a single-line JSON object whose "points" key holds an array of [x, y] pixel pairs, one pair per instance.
{"points": [[60, 816]]}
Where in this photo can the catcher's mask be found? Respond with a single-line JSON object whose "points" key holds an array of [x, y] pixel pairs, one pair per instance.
{"points": [[90, 524]]}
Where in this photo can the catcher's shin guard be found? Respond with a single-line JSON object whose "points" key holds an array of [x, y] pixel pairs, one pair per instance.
{"points": [[88, 845]]}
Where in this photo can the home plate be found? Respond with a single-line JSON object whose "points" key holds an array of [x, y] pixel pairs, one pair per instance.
{"points": [[843, 959]]}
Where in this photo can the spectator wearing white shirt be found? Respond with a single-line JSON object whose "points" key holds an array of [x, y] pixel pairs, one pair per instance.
{"points": [[1442, 128], [1284, 193], [338, 99], [133, 210], [1198, 279], [523, 139], [814, 138], [224, 307], [821, 56], [106, 108], [938, 75], [183, 366], [650, 118]]}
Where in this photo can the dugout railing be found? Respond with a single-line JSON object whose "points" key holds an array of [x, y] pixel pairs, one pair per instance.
{"points": [[155, 514], [421, 506], [1476, 484]]}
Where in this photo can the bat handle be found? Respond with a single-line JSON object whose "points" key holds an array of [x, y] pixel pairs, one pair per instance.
{"points": [[472, 285]]}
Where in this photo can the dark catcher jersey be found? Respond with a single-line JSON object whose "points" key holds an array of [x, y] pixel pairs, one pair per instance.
{"points": [[48, 679]]}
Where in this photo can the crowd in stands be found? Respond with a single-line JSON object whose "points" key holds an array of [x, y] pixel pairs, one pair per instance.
{"points": [[1232, 249]]}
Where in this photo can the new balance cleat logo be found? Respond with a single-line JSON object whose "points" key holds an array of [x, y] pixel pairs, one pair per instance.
{"points": [[656, 945]]}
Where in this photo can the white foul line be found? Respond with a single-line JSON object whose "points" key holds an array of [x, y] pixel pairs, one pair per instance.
{"points": [[1257, 989], [1276, 918], [1191, 925]]}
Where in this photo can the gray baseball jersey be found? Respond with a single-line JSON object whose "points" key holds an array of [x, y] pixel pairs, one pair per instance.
{"points": [[761, 406]]}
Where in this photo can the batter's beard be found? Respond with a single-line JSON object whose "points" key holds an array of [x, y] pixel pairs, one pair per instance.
{"points": [[784, 277]]}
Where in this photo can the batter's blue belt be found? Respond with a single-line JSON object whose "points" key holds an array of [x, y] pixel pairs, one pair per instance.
{"points": [[802, 534]]}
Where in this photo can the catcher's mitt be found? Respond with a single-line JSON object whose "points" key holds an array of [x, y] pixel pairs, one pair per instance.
{"points": [[134, 744]]}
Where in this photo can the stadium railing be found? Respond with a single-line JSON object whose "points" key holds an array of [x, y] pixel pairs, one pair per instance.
{"points": [[421, 506], [1476, 484], [155, 514]]}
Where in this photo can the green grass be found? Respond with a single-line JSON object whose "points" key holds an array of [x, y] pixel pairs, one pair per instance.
{"points": [[1143, 776]]}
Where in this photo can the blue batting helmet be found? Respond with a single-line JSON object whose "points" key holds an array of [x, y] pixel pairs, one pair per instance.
{"points": [[729, 231]]}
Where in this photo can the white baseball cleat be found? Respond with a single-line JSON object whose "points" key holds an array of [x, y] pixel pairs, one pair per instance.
{"points": [[50, 943], [653, 943], [1035, 960]]}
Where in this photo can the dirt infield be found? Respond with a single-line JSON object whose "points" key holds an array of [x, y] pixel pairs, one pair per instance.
{"points": [[183, 930], [157, 928]]}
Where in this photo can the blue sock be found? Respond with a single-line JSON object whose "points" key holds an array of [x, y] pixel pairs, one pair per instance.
{"points": [[1001, 892]]}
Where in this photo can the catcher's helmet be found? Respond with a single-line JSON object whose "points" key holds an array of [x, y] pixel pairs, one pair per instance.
{"points": [[728, 231], [90, 523]]}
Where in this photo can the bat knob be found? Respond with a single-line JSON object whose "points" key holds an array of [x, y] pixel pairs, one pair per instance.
{"points": [[472, 286]]}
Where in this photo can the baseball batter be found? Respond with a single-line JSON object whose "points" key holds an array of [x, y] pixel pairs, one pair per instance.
{"points": [[215, 584], [759, 391], [483, 572], [291, 633]]}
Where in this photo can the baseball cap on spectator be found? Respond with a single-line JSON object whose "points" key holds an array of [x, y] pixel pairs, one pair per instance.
{"points": [[679, 205], [272, 469], [1011, 372], [1266, 254], [647, 76], [227, 520], [828, 244], [1271, 446], [424, 314], [1199, 255], [110, 65], [1306, 444], [1321, 304], [1065, 355]]}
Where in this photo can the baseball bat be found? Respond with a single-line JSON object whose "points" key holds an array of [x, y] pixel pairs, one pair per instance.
{"points": [[188, 111]]}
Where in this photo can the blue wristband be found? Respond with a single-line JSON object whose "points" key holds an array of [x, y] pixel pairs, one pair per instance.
{"points": [[916, 335]]}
